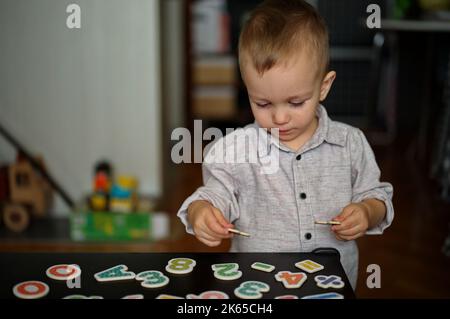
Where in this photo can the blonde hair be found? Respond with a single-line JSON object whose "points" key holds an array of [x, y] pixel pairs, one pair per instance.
{"points": [[280, 30]]}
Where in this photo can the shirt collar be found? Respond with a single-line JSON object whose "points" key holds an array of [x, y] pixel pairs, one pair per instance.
{"points": [[326, 131]]}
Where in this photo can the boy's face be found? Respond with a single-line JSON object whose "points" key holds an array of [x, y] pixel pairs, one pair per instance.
{"points": [[286, 97]]}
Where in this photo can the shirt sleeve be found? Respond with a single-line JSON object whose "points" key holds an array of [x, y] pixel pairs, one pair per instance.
{"points": [[366, 179], [219, 187]]}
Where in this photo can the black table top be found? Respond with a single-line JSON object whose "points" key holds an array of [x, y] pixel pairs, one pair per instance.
{"points": [[20, 267]]}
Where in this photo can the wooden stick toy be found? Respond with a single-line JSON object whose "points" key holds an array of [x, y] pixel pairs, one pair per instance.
{"points": [[238, 232], [331, 222]]}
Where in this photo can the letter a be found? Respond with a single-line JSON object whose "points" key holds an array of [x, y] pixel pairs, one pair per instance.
{"points": [[374, 20], [374, 280], [74, 19], [74, 283]]}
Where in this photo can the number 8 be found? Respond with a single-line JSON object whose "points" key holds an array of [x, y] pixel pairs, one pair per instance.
{"points": [[180, 265]]}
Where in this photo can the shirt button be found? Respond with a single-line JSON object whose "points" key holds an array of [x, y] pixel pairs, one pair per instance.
{"points": [[299, 157], [303, 196], [308, 236]]}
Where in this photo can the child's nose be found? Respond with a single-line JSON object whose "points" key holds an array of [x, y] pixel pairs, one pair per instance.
{"points": [[280, 116]]}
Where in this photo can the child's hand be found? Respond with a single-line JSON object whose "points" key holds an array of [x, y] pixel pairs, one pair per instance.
{"points": [[208, 223], [354, 220]]}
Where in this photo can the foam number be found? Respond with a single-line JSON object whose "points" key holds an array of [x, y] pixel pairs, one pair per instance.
{"points": [[212, 294], [180, 265], [291, 280], [114, 274], [229, 271], [251, 290], [152, 279]]}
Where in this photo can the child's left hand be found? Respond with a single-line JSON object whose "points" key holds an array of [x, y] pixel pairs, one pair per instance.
{"points": [[354, 220]]}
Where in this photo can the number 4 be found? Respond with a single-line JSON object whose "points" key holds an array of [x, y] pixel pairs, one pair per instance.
{"points": [[291, 279]]}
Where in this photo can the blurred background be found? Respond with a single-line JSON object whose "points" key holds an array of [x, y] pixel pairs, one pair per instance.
{"points": [[87, 114]]}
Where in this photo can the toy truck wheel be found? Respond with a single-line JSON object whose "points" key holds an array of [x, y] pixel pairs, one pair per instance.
{"points": [[16, 217]]}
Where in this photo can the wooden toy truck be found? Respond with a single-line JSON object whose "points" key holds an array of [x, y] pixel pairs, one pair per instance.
{"points": [[24, 195], [26, 188]]}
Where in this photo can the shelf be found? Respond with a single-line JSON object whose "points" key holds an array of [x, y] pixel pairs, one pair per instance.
{"points": [[338, 53], [53, 234], [415, 25]]}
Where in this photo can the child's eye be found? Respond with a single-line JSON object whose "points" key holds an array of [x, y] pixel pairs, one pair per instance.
{"points": [[297, 103], [262, 104]]}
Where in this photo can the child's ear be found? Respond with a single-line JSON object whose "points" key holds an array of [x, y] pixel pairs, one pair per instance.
{"points": [[326, 85]]}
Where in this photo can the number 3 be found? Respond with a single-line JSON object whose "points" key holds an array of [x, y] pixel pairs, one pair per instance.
{"points": [[152, 279], [251, 289]]}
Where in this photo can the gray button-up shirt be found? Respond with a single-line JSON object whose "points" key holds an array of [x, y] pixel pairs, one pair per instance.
{"points": [[277, 196]]}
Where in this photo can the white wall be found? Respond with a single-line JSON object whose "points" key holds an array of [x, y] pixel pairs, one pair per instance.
{"points": [[80, 95], [173, 22]]}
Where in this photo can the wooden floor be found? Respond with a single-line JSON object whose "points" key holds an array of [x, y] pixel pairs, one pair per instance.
{"points": [[409, 252]]}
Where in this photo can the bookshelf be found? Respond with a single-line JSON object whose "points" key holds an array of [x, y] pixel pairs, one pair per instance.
{"points": [[217, 94]]}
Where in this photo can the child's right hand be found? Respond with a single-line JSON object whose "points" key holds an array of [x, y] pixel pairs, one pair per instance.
{"points": [[208, 223]]}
